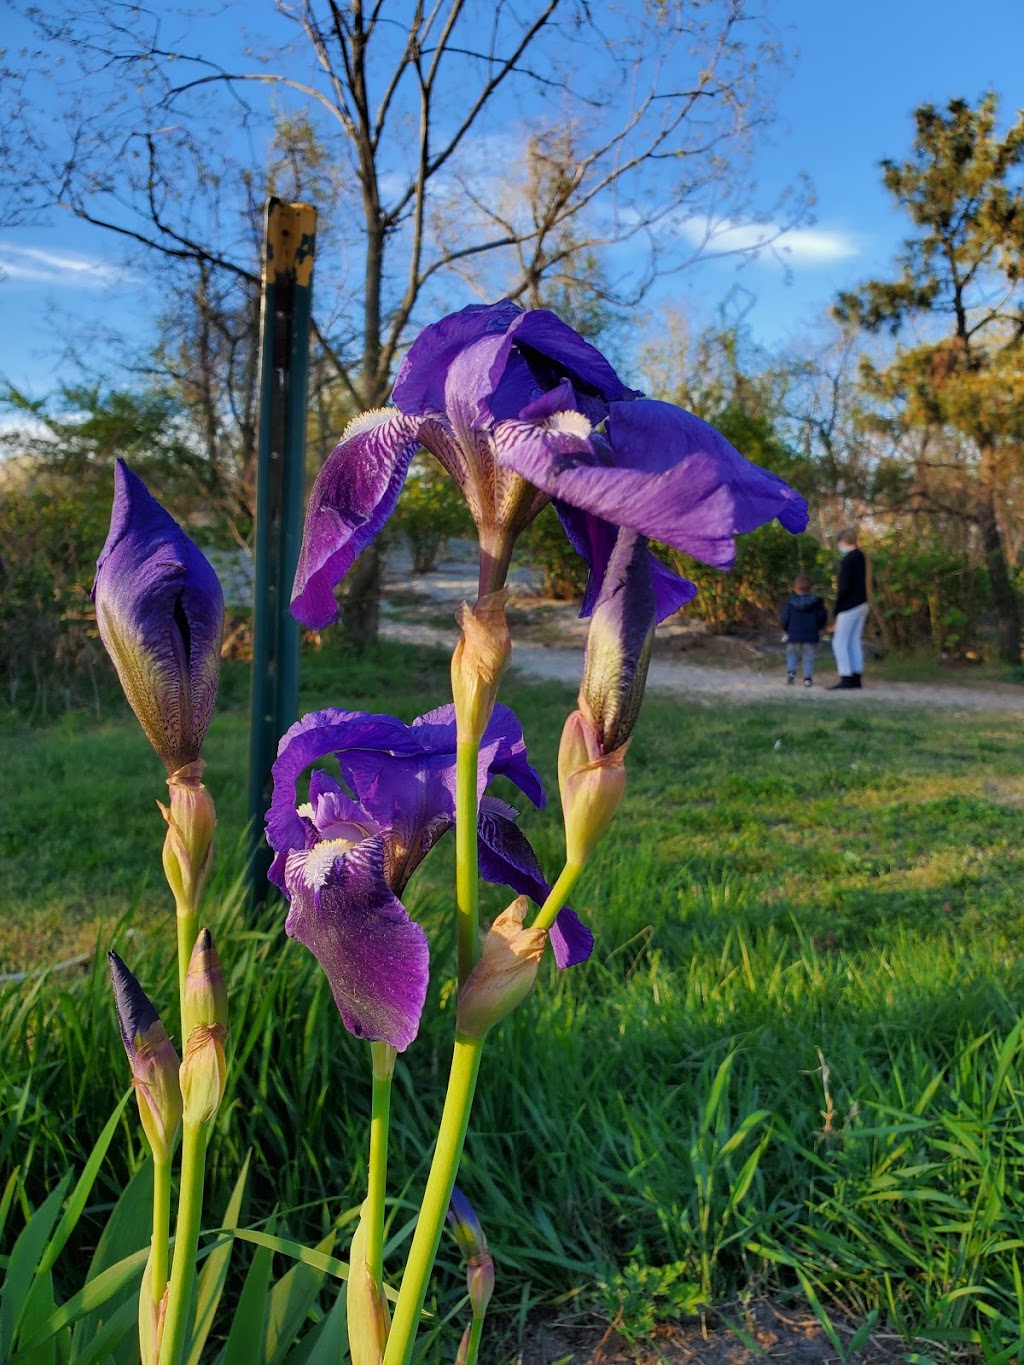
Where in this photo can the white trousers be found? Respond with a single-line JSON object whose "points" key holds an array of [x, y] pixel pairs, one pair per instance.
{"points": [[846, 645]]}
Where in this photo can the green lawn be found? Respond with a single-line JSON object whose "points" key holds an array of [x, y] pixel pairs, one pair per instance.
{"points": [[793, 1062]]}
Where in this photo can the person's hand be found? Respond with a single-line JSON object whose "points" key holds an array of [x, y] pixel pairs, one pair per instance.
{"points": [[785, 639]]}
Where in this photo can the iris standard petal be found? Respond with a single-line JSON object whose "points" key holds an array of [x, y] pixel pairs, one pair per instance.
{"points": [[374, 956], [553, 349], [354, 494], [422, 375], [503, 748], [507, 858], [160, 614], [527, 353], [314, 737], [660, 471]]}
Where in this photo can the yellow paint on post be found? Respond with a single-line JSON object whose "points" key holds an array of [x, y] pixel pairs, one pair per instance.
{"points": [[291, 240]]}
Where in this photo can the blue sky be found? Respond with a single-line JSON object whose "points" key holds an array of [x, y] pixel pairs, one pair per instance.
{"points": [[860, 69]]}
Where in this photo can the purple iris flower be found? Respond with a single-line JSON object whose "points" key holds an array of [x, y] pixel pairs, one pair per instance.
{"points": [[344, 857], [160, 613], [511, 403]]}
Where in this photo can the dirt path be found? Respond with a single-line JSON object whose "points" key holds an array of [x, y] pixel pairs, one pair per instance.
{"points": [[739, 684], [548, 643]]}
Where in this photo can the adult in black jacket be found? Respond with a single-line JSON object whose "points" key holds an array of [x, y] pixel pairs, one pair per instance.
{"points": [[850, 611]]}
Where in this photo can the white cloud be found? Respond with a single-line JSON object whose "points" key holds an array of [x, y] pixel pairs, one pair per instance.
{"points": [[33, 265], [809, 245]]}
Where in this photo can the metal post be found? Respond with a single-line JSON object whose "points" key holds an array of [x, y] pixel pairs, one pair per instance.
{"points": [[289, 241]]}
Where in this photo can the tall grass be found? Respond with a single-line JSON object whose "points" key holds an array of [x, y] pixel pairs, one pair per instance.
{"points": [[793, 1065]]}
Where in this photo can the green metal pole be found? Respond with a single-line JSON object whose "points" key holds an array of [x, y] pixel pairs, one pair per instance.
{"points": [[290, 238]]}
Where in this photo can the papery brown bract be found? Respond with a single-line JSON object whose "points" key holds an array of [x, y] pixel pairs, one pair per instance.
{"points": [[504, 974]]}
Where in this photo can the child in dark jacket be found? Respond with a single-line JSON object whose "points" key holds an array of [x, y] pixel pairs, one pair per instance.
{"points": [[802, 619]]}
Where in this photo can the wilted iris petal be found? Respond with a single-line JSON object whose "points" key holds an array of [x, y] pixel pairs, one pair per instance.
{"points": [[160, 613], [594, 539], [507, 858], [374, 956], [619, 642], [354, 494], [660, 471]]}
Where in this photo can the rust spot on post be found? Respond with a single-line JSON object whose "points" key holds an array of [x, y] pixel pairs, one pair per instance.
{"points": [[291, 240]]}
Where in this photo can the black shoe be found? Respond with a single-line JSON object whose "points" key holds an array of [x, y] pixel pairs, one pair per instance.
{"points": [[790, 679], [855, 680], [844, 684], [808, 682]]}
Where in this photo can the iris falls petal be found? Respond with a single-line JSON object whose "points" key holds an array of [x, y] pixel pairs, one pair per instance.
{"points": [[374, 956], [354, 494]]}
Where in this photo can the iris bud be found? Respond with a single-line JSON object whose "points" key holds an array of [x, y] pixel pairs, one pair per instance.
{"points": [[504, 975], [463, 1356], [203, 1074], [188, 845], [480, 658], [160, 614], [151, 1318], [205, 996], [591, 756], [366, 1308], [592, 784], [472, 1243], [153, 1060], [204, 1067]]}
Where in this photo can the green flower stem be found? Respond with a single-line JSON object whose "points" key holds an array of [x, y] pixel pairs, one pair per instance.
{"points": [[186, 1242], [380, 1118], [467, 874], [560, 893], [451, 1137], [476, 1331], [187, 917], [161, 1227]]}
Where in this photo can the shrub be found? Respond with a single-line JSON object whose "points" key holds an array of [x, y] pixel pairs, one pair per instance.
{"points": [[926, 594], [430, 512], [767, 561], [50, 656]]}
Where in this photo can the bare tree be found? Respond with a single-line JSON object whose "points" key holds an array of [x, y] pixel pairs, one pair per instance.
{"points": [[529, 147]]}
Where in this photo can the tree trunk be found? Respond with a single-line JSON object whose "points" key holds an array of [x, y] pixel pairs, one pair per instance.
{"points": [[1004, 596], [360, 608]]}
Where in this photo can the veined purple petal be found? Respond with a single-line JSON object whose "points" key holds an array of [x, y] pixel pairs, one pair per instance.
{"points": [[160, 613], [402, 778], [502, 749], [593, 539], [374, 956], [313, 737], [354, 494], [507, 858], [662, 472]]}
